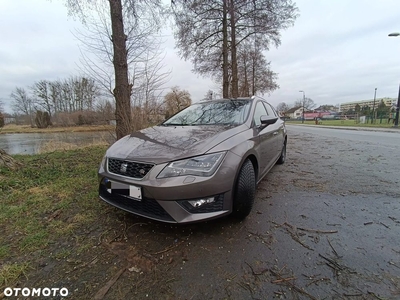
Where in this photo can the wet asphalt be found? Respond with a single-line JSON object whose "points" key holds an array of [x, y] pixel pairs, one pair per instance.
{"points": [[325, 225]]}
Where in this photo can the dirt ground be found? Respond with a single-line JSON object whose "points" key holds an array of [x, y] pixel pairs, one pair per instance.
{"points": [[325, 225]]}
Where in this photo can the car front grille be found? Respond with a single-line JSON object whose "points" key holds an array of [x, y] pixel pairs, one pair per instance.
{"points": [[128, 168], [146, 207]]}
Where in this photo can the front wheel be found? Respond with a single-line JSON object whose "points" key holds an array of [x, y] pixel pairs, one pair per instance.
{"points": [[245, 191]]}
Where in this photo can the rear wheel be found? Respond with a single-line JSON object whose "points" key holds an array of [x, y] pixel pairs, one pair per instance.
{"points": [[282, 158], [245, 191]]}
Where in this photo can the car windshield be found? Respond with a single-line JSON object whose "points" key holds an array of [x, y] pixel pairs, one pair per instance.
{"points": [[226, 112]]}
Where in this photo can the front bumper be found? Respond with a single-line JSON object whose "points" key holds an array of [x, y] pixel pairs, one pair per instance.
{"points": [[167, 199]]}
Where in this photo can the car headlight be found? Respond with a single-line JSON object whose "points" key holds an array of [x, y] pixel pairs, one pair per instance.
{"points": [[204, 165]]}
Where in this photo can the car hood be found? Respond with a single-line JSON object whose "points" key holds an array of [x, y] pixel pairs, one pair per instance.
{"points": [[160, 144]]}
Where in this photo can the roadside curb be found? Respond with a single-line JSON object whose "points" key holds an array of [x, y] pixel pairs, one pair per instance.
{"points": [[376, 129]]}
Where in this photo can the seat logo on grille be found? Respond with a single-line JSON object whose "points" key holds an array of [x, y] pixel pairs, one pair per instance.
{"points": [[123, 168], [142, 171]]}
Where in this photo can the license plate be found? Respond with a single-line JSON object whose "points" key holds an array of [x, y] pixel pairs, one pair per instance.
{"points": [[135, 192], [126, 190]]}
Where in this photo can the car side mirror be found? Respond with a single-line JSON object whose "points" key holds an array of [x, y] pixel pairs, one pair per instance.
{"points": [[267, 120]]}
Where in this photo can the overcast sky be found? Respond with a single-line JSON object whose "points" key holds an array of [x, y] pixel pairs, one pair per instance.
{"points": [[337, 51]]}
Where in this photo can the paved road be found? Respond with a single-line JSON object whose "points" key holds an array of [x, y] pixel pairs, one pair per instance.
{"points": [[334, 180], [372, 137]]}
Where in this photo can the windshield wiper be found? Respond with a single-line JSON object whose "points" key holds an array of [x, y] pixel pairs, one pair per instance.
{"points": [[175, 124]]}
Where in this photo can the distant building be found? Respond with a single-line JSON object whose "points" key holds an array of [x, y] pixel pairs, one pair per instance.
{"points": [[390, 102], [327, 108], [294, 113]]}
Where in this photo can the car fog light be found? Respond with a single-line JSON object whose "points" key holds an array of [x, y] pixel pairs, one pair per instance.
{"points": [[200, 202], [105, 181]]}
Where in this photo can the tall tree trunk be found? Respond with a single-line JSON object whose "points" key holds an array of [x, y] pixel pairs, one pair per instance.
{"points": [[225, 74], [235, 80], [122, 90], [246, 90], [253, 85]]}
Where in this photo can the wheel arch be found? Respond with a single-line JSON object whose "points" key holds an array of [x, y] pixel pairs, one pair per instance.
{"points": [[254, 161]]}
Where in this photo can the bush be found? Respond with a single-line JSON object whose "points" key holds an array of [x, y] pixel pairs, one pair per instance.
{"points": [[42, 119]]}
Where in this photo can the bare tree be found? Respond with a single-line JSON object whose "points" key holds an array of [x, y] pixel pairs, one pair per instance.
{"points": [[308, 103], [210, 33], [106, 108], [22, 103], [255, 75], [176, 100], [124, 17], [282, 107], [149, 81], [41, 91]]}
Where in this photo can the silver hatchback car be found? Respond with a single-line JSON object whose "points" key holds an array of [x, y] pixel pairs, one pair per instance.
{"points": [[200, 164]]}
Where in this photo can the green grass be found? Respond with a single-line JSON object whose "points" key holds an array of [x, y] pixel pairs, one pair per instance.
{"points": [[353, 123], [9, 273], [47, 200], [4, 251]]}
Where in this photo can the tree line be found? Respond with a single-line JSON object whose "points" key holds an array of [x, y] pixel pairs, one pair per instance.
{"points": [[73, 94], [80, 100], [308, 104], [380, 110]]}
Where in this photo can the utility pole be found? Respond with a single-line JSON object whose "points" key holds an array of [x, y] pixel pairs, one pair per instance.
{"points": [[373, 108], [396, 119], [304, 100]]}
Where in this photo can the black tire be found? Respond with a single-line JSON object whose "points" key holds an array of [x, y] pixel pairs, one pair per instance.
{"points": [[245, 191], [282, 158]]}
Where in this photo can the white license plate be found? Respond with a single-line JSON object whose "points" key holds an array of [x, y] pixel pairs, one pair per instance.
{"points": [[135, 192]]}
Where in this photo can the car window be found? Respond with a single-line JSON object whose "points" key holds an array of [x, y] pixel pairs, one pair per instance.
{"points": [[259, 111], [270, 110], [226, 112]]}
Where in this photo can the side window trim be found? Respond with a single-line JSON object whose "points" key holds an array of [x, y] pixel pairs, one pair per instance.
{"points": [[268, 108]]}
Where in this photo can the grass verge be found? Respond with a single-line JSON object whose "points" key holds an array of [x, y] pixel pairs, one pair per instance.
{"points": [[57, 233], [43, 204]]}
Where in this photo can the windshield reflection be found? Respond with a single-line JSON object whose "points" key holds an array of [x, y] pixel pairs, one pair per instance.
{"points": [[226, 112]]}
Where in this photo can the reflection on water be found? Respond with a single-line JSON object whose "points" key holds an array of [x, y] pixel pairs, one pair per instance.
{"points": [[30, 143]]}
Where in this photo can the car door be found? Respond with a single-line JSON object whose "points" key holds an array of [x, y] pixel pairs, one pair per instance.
{"points": [[278, 130], [266, 139]]}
